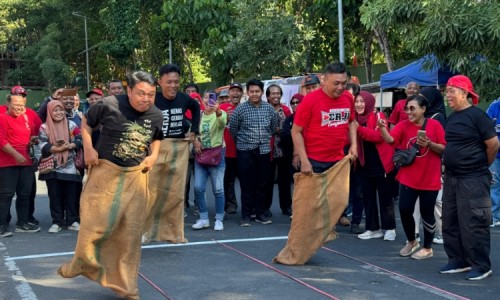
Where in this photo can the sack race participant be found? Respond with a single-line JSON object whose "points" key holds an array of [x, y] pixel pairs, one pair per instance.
{"points": [[165, 220], [314, 217], [115, 197]]}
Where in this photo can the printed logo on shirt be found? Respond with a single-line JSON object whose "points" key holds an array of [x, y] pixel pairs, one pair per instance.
{"points": [[335, 117], [134, 141], [172, 122]]}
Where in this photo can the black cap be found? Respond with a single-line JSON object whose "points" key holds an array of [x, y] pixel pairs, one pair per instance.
{"points": [[236, 85], [311, 79]]}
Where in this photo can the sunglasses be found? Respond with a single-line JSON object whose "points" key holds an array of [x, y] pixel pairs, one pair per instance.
{"points": [[294, 103], [410, 108]]}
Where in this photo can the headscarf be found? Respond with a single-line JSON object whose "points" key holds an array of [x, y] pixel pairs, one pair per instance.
{"points": [[57, 131], [362, 118], [436, 104], [298, 97]]}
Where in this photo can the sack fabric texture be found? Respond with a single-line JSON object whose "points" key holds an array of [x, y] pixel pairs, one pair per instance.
{"points": [[167, 181], [210, 157], [318, 203], [112, 212]]}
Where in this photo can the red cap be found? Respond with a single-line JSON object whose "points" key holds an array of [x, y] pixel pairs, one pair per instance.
{"points": [[18, 90], [464, 83], [95, 91]]}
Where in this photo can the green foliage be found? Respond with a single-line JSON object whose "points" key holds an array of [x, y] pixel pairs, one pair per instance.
{"points": [[55, 72]]}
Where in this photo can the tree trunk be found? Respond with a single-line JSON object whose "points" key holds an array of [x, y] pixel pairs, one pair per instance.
{"points": [[368, 57], [383, 41], [188, 63]]}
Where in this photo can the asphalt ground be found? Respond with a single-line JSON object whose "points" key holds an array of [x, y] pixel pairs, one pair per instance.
{"points": [[236, 264]]}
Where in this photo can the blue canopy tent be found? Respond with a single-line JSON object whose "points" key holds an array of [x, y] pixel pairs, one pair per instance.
{"points": [[434, 76]]}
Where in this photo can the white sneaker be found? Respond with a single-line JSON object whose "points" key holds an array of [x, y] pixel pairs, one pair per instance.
{"points": [[200, 224], [145, 239], [54, 228], [75, 226], [495, 223], [390, 235], [218, 225], [371, 234], [438, 239]]}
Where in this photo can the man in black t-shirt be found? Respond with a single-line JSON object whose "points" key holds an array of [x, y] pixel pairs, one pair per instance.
{"points": [[165, 220], [114, 201], [472, 145]]}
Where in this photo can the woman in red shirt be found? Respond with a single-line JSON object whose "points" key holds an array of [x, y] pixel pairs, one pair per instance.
{"points": [[422, 178]]}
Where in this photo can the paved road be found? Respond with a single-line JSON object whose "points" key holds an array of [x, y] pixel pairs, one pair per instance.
{"points": [[236, 264]]}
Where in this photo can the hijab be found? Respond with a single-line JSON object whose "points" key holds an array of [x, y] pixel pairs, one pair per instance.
{"points": [[362, 118], [57, 131], [436, 104]]}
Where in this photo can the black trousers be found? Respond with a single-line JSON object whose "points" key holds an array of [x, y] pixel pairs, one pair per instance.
{"points": [[466, 220], [355, 197], [230, 174], [370, 187], [253, 169], [281, 165], [63, 198], [15, 181], [407, 199]]}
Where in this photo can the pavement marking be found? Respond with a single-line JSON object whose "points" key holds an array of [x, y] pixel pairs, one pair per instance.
{"points": [[55, 254], [22, 286]]}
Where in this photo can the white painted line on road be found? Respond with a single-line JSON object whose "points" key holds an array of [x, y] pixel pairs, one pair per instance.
{"points": [[22, 286], [55, 254]]}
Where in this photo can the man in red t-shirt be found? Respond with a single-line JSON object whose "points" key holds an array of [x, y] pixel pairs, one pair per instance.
{"points": [[235, 94], [323, 123], [398, 114]]}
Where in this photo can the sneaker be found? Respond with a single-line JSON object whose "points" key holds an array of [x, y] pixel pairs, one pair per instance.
{"points": [[75, 226], [263, 220], [438, 239], [422, 254], [344, 221], [371, 234], [356, 229], [200, 224], [495, 223], [390, 235], [4, 231], [409, 248], [452, 268], [54, 228], [286, 212], [27, 228], [231, 211], [245, 222], [33, 221], [268, 214], [218, 225], [476, 275]]}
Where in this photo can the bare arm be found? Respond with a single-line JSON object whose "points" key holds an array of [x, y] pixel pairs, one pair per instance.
{"points": [[13, 152], [491, 149], [382, 124], [90, 154], [300, 149], [150, 160], [353, 149]]}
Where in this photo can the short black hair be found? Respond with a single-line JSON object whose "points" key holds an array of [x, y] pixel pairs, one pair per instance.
{"points": [[354, 87], [335, 68], [115, 81], [169, 68], [268, 90], [421, 100], [255, 82], [191, 85], [136, 77]]}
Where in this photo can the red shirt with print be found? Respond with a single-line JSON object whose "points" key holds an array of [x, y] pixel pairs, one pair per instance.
{"points": [[425, 172], [228, 139], [398, 114], [325, 121]]}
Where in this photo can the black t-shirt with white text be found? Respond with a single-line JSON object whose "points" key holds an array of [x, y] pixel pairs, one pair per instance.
{"points": [[465, 151], [126, 134], [173, 111]]}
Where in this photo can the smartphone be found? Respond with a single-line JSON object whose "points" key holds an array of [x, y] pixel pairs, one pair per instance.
{"points": [[212, 99], [68, 92], [60, 142], [421, 134]]}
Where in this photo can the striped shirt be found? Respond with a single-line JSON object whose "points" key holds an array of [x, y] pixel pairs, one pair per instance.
{"points": [[252, 126]]}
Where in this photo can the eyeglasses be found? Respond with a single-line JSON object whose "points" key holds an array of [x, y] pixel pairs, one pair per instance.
{"points": [[410, 108], [294, 103]]}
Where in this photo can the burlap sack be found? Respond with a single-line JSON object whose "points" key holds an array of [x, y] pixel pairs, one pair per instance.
{"points": [[112, 212], [167, 181], [318, 203]]}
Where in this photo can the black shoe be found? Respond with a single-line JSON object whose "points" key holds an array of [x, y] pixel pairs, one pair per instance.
{"points": [[27, 228], [33, 221], [4, 231], [231, 211], [263, 220], [356, 229], [245, 222], [287, 212], [268, 213], [252, 217]]}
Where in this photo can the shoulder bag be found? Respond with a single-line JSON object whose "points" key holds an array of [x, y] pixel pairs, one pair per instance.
{"points": [[406, 157]]}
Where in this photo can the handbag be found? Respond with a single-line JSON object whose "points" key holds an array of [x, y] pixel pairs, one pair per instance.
{"points": [[406, 157], [35, 155], [210, 157], [46, 165]]}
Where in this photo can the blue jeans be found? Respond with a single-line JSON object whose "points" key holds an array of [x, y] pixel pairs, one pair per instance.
{"points": [[216, 174], [495, 190]]}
